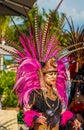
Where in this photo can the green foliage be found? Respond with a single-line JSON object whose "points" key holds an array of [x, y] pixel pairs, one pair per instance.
{"points": [[23, 25], [7, 81], [20, 116], [4, 24], [10, 99]]}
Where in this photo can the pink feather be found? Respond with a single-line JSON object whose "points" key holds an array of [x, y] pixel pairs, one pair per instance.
{"points": [[29, 116], [66, 116]]}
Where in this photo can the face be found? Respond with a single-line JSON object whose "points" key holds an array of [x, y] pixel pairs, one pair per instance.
{"points": [[50, 78]]}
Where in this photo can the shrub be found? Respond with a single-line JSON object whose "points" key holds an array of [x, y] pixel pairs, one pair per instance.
{"points": [[20, 116], [7, 81]]}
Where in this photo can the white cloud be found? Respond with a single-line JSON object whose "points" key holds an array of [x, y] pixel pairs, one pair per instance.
{"points": [[78, 15], [71, 8]]}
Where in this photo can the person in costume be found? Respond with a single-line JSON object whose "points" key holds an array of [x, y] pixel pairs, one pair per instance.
{"points": [[76, 67], [41, 83], [44, 94], [76, 98]]}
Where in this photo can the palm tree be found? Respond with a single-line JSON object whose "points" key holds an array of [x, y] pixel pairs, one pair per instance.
{"points": [[4, 24], [75, 37]]}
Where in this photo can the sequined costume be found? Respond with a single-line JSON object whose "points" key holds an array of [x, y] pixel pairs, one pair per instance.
{"points": [[41, 55]]}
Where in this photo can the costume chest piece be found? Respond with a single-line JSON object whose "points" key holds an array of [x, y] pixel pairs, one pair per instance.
{"points": [[53, 105]]}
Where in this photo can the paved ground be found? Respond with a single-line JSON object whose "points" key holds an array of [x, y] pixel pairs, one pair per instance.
{"points": [[8, 120]]}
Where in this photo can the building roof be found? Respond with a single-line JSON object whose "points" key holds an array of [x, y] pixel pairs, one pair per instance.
{"points": [[15, 7]]}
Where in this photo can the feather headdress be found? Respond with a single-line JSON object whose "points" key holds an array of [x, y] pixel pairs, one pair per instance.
{"points": [[75, 38], [40, 46]]}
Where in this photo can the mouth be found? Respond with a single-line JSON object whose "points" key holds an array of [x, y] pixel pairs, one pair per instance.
{"points": [[53, 80]]}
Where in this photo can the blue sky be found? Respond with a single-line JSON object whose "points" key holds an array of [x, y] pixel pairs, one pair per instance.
{"points": [[73, 8]]}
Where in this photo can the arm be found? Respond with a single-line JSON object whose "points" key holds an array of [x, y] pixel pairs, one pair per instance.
{"points": [[69, 116], [29, 113], [31, 116]]}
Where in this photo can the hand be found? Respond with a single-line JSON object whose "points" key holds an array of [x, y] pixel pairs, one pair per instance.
{"points": [[41, 120], [77, 124]]}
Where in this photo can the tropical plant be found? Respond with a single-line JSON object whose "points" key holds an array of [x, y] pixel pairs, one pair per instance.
{"points": [[75, 36], [4, 25], [7, 81]]}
